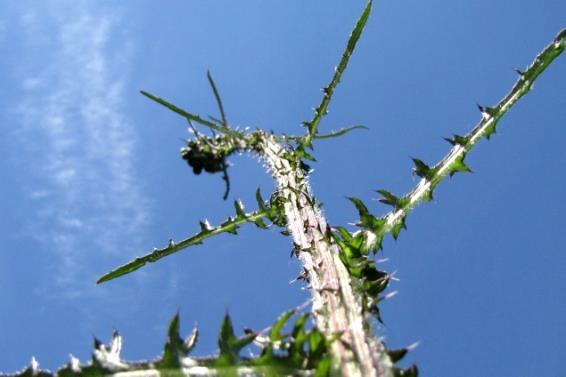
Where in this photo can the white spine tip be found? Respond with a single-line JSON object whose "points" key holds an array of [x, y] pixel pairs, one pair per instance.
{"points": [[34, 365], [390, 295], [75, 364], [411, 347]]}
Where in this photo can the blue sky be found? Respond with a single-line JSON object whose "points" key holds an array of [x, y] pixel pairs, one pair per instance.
{"points": [[93, 176]]}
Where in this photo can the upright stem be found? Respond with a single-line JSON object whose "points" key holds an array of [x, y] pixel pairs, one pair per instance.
{"points": [[336, 307]]}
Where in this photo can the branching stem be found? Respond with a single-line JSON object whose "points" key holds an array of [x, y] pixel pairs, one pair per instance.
{"points": [[336, 307], [453, 162]]}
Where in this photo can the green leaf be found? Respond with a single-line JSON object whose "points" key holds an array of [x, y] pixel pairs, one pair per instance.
{"points": [[490, 130], [361, 207], [227, 337], [367, 220], [316, 342], [228, 226], [189, 116], [392, 200], [396, 229], [230, 346], [302, 153], [323, 368], [372, 290], [275, 332], [217, 97], [276, 212], [317, 346], [300, 337], [423, 170], [350, 248], [428, 195], [322, 109], [260, 224], [458, 166], [341, 132], [457, 140], [175, 347]]}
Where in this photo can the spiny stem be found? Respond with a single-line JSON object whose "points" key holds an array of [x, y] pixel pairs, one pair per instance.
{"points": [[228, 226], [328, 91], [336, 306], [453, 162]]}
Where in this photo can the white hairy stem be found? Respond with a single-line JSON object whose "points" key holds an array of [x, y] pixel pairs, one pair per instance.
{"points": [[336, 308]]}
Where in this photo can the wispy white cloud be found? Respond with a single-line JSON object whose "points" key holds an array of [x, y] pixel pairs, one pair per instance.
{"points": [[87, 192]]}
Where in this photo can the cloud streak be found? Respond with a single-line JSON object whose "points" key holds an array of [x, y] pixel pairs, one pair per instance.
{"points": [[82, 145]]}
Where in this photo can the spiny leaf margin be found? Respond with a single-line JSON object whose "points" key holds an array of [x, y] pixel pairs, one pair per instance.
{"points": [[230, 225]]}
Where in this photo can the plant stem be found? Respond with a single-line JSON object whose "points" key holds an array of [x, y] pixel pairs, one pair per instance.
{"points": [[336, 307], [453, 162]]}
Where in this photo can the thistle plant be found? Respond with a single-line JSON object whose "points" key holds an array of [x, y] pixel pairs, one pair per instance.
{"points": [[334, 333]]}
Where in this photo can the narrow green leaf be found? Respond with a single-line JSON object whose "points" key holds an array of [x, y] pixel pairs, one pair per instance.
{"points": [[396, 229], [260, 224], [226, 339], [390, 199], [189, 116], [230, 346], [275, 332], [344, 233], [328, 91], [457, 140], [228, 226], [300, 337], [459, 167], [428, 195], [423, 170], [300, 152], [316, 340], [317, 344], [174, 347], [361, 207], [217, 97], [341, 132], [490, 130], [367, 220]]}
